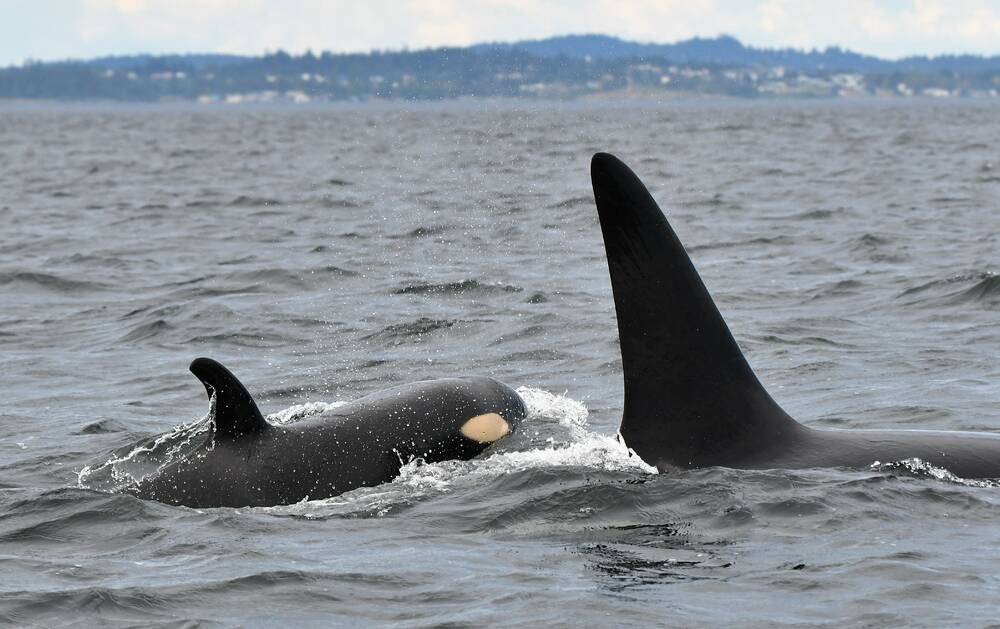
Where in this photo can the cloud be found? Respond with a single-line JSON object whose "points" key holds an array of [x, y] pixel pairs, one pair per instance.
{"points": [[84, 28]]}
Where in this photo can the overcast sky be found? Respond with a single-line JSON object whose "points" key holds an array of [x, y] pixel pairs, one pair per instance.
{"points": [[59, 29]]}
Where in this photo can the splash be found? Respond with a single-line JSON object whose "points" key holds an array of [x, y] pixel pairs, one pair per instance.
{"points": [[542, 404], [298, 412], [922, 469], [125, 469], [419, 480]]}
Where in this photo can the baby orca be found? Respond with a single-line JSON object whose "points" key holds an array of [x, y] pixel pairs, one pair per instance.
{"points": [[249, 461]]}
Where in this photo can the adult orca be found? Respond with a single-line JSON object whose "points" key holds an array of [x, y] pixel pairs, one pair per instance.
{"points": [[249, 461], [691, 398]]}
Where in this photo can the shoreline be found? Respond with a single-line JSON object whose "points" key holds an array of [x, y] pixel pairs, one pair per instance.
{"points": [[607, 100]]}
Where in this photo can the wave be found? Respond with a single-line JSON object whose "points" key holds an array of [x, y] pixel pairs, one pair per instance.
{"points": [[398, 333], [57, 517], [248, 201], [524, 333], [463, 287], [172, 604], [809, 215], [338, 271], [571, 203], [270, 280], [538, 355], [918, 468], [870, 240], [841, 288], [951, 200], [190, 323], [186, 311], [775, 339], [423, 232], [876, 248], [774, 240], [984, 289], [330, 203], [79, 260], [102, 427], [246, 338], [47, 282], [261, 278], [145, 331]]}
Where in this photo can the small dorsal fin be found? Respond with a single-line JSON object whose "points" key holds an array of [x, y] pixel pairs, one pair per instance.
{"points": [[236, 413], [691, 398]]}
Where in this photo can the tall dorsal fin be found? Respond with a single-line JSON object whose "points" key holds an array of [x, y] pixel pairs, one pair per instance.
{"points": [[236, 413], [691, 398]]}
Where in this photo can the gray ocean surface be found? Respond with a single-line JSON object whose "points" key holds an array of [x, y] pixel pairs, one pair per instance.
{"points": [[323, 253]]}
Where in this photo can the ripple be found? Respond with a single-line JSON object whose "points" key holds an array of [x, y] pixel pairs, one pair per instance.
{"points": [[571, 202], [465, 287], [104, 426], [423, 232], [250, 201], [28, 280], [773, 240], [145, 331], [412, 331], [334, 203], [984, 289], [538, 354]]}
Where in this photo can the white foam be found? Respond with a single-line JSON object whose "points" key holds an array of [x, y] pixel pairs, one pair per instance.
{"points": [[301, 411], [147, 458], [922, 469], [418, 479], [567, 411]]}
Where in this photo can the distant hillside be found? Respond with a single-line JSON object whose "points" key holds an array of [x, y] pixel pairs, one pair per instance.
{"points": [[571, 66], [194, 61], [726, 50]]}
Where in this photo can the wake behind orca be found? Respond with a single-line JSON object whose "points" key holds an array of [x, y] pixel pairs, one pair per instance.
{"points": [[691, 398], [248, 461]]}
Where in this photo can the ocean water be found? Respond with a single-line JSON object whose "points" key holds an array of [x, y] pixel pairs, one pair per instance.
{"points": [[324, 253]]}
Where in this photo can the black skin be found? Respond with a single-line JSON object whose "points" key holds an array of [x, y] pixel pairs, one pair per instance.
{"points": [[691, 398], [361, 444]]}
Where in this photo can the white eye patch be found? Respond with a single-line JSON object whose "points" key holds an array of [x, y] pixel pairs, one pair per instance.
{"points": [[486, 428]]}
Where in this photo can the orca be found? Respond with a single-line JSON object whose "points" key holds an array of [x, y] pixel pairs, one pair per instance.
{"points": [[250, 462], [691, 399]]}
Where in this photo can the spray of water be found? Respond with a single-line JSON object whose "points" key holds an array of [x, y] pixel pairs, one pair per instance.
{"points": [[922, 469]]}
